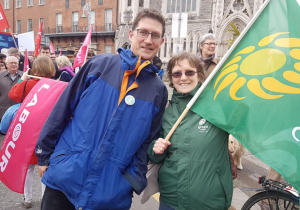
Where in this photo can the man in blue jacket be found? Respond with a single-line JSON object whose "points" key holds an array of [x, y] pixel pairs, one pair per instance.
{"points": [[94, 144]]}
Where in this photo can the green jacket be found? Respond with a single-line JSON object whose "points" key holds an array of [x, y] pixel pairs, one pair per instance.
{"points": [[196, 171]]}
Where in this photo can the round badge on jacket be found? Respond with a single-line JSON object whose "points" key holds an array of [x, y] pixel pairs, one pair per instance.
{"points": [[129, 100]]}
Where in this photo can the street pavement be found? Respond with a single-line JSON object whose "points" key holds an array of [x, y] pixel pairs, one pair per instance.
{"points": [[247, 178]]}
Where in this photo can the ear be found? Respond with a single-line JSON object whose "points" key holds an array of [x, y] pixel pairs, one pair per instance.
{"points": [[130, 34], [162, 41]]}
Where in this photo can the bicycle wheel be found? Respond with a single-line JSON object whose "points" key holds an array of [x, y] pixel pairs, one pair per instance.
{"points": [[278, 201]]}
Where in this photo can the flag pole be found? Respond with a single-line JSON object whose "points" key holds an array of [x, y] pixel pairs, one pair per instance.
{"points": [[13, 38], [34, 76], [212, 74]]}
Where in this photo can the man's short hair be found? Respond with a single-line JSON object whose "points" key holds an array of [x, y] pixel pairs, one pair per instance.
{"points": [[2, 56], [150, 13], [11, 57], [13, 51], [44, 47]]}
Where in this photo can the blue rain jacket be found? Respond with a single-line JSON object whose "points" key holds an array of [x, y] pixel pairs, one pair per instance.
{"points": [[97, 150]]}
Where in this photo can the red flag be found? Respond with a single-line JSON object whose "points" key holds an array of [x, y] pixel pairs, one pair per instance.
{"points": [[38, 40], [22, 135], [3, 21], [26, 63], [51, 48], [60, 51], [82, 53]]}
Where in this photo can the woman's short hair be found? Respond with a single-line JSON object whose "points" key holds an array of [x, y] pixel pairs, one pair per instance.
{"points": [[63, 61], [43, 66], [207, 36], [194, 61]]}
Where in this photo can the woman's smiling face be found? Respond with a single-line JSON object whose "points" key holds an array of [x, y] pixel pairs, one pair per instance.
{"points": [[188, 79]]}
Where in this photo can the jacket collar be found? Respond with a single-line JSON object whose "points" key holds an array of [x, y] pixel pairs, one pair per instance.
{"points": [[7, 73], [184, 97], [129, 61]]}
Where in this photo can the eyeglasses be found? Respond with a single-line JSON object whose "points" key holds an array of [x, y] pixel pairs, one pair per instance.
{"points": [[210, 43], [178, 74], [156, 37], [14, 63]]}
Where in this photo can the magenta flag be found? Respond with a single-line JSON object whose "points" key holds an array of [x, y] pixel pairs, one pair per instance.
{"points": [[38, 40], [22, 135], [82, 53], [51, 48], [26, 62]]}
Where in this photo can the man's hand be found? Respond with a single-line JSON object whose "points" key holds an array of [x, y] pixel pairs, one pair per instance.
{"points": [[41, 170], [160, 146]]}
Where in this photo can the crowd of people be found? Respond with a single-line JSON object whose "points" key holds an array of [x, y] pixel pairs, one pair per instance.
{"points": [[111, 119]]}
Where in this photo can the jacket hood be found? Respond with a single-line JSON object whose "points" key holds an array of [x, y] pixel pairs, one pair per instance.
{"points": [[129, 61], [68, 69]]}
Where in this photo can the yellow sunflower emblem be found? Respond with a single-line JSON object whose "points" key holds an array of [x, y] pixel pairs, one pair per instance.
{"points": [[256, 69]]}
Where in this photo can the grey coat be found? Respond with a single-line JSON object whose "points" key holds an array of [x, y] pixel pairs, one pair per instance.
{"points": [[6, 83]]}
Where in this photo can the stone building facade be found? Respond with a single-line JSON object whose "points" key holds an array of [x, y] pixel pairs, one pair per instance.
{"points": [[203, 15]]}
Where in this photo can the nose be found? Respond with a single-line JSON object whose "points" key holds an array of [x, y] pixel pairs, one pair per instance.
{"points": [[148, 39], [183, 76]]}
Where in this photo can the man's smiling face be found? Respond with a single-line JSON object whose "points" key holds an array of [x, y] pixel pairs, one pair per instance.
{"points": [[146, 47]]}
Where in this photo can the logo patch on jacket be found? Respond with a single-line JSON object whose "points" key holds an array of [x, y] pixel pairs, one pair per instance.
{"points": [[202, 127]]}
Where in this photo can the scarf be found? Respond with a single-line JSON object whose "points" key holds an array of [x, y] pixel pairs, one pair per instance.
{"points": [[208, 60]]}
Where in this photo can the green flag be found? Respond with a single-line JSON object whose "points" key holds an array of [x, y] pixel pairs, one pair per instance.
{"points": [[255, 95]]}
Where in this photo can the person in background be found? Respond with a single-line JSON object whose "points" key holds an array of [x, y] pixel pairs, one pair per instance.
{"points": [[207, 52], [196, 169], [52, 56], [45, 50], [65, 68], [42, 67], [31, 58], [15, 52], [8, 79], [2, 58], [2, 67]]}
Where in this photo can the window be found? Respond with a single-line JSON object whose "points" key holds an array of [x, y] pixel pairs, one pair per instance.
{"points": [[108, 20], [19, 3], [19, 26], [100, 2], [6, 4], [29, 25], [75, 22], [93, 20], [107, 49], [129, 3], [67, 4], [82, 3], [58, 23], [186, 6], [141, 3], [41, 2], [30, 3]]}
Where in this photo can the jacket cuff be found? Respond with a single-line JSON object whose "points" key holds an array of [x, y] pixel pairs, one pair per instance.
{"points": [[43, 162]]}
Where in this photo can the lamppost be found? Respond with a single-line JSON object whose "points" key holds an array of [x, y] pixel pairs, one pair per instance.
{"points": [[87, 9]]}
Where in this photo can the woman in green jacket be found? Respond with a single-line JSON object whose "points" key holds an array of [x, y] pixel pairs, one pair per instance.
{"points": [[196, 171]]}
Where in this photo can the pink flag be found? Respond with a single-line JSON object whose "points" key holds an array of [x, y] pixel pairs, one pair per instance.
{"points": [[60, 51], [51, 48], [82, 53], [22, 135], [38, 40], [26, 63]]}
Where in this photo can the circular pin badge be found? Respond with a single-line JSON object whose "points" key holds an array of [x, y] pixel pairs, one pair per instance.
{"points": [[129, 100]]}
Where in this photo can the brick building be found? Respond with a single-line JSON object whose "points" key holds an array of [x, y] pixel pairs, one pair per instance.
{"points": [[65, 25]]}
